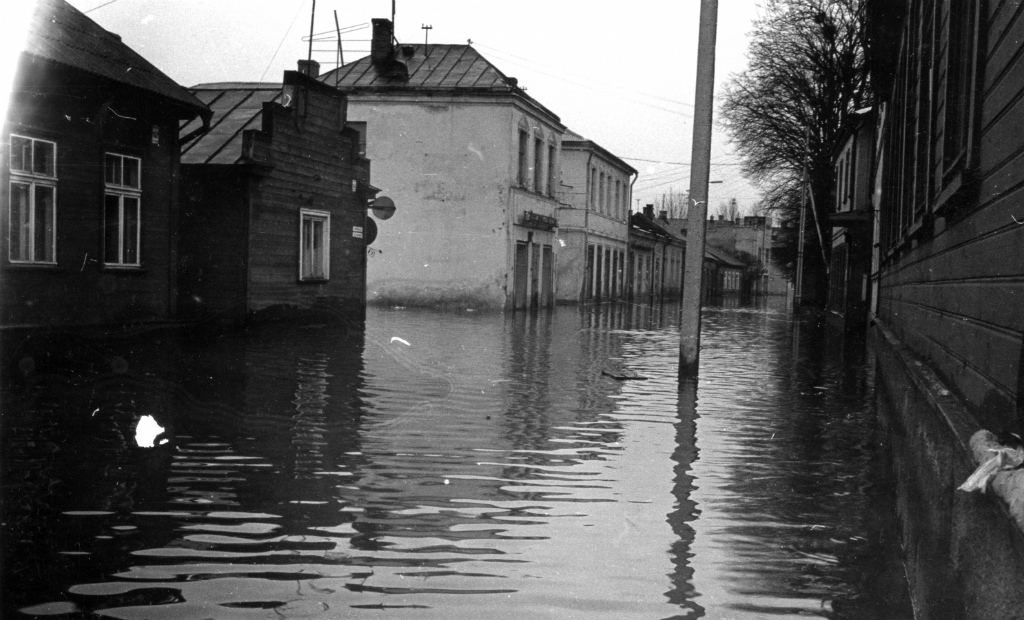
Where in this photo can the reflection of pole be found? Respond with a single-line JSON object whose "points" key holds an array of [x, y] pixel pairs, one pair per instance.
{"points": [[700, 157]]}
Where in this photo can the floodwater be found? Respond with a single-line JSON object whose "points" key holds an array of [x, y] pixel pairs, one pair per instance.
{"points": [[451, 466]]}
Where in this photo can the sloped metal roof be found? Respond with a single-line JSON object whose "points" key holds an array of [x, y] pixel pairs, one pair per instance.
{"points": [[430, 66], [60, 33], [434, 67], [235, 107]]}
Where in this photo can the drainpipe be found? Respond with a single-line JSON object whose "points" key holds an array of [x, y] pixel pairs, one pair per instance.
{"points": [[629, 228]]}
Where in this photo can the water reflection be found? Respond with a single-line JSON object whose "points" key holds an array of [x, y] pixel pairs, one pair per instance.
{"points": [[450, 465]]}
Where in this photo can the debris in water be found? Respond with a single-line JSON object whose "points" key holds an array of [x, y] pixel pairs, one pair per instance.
{"points": [[147, 431], [397, 339], [623, 375]]}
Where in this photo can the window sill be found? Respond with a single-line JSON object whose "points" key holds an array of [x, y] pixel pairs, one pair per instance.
{"points": [[33, 266], [137, 269], [313, 280]]}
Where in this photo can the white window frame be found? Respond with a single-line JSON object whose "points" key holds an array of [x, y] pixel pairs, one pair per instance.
{"points": [[33, 180], [117, 188], [310, 215]]}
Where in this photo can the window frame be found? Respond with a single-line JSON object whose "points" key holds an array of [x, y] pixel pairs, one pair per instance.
{"points": [[324, 217], [524, 158], [122, 192], [33, 180]]}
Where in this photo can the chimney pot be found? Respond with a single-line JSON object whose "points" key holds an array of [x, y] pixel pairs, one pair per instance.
{"points": [[664, 215], [649, 211], [382, 47], [310, 68]]}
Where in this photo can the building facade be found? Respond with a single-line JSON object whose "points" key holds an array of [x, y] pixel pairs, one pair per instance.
{"points": [[593, 222], [89, 166], [851, 220], [473, 162], [949, 268], [656, 259], [274, 216]]}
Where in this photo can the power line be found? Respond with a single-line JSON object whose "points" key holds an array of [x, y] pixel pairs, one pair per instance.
{"points": [[99, 7], [596, 89], [301, 4], [665, 99]]}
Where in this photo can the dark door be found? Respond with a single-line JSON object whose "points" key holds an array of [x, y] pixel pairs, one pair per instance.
{"points": [[520, 275]]}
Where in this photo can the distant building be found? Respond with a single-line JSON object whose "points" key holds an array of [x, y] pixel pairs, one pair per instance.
{"points": [[90, 172], [849, 292], [473, 162], [657, 259], [274, 221], [593, 222]]}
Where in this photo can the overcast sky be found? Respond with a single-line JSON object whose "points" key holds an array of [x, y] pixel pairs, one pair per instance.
{"points": [[619, 73]]}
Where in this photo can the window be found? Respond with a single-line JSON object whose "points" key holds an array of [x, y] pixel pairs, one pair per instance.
{"points": [[524, 145], [33, 207], [593, 188], [551, 170], [600, 195], [961, 67], [618, 201], [315, 245], [538, 169], [121, 210]]}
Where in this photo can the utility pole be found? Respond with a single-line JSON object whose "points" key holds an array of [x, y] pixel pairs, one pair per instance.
{"points": [[700, 170]]}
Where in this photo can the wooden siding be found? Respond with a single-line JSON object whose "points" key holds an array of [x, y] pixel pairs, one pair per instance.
{"points": [[212, 252], [303, 158], [87, 118], [955, 295]]}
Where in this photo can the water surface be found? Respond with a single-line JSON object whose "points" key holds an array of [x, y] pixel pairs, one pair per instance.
{"points": [[453, 466]]}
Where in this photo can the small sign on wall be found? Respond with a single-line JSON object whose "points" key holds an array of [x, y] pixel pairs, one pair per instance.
{"points": [[357, 232]]}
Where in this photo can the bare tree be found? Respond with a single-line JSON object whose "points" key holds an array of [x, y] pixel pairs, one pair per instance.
{"points": [[729, 209], [788, 109]]}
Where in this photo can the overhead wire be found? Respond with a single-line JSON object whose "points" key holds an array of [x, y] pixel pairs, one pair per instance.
{"points": [[301, 5]]}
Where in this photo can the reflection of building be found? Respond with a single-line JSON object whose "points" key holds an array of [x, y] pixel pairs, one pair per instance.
{"points": [[473, 162], [89, 171], [851, 227], [949, 268], [593, 222], [274, 203]]}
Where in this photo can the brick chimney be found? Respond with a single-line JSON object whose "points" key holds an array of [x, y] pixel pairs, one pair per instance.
{"points": [[310, 68], [649, 211], [663, 216], [382, 48]]}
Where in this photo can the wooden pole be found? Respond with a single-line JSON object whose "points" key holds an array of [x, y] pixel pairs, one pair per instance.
{"points": [[700, 158], [312, 18]]}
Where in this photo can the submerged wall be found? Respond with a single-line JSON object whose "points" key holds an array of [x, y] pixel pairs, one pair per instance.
{"points": [[963, 552]]}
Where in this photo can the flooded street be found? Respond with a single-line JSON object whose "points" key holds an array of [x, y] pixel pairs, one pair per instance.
{"points": [[454, 466]]}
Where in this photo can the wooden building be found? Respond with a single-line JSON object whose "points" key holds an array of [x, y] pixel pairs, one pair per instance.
{"points": [[274, 218], [949, 269], [89, 166]]}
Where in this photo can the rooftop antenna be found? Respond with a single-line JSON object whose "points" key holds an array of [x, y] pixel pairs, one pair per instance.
{"points": [[426, 34], [393, 31], [341, 52], [312, 18]]}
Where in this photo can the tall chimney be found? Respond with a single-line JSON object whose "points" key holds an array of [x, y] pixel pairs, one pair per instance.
{"points": [[382, 47], [663, 215], [310, 68], [649, 211]]}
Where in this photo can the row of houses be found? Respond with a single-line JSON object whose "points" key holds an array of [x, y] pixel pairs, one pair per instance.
{"points": [[928, 251], [134, 200]]}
